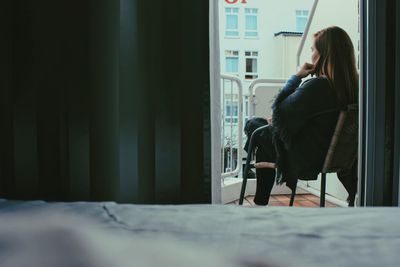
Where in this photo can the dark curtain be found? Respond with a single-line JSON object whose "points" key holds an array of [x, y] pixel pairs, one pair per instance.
{"points": [[105, 100], [381, 100]]}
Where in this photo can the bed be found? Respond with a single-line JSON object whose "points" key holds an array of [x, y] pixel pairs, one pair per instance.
{"points": [[82, 234]]}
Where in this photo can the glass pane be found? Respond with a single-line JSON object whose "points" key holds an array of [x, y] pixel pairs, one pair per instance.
{"points": [[251, 34], [251, 65], [254, 65], [301, 24], [231, 108], [235, 110], [235, 10], [228, 109], [247, 53], [232, 64], [231, 22], [247, 10], [232, 33], [251, 22], [251, 76], [231, 52]]}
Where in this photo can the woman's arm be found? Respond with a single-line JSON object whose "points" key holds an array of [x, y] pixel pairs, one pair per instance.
{"points": [[293, 111], [290, 86], [294, 82]]}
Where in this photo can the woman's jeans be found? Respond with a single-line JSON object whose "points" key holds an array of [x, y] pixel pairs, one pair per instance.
{"points": [[265, 151]]}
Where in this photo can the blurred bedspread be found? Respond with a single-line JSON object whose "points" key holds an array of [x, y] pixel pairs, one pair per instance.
{"points": [[80, 234]]}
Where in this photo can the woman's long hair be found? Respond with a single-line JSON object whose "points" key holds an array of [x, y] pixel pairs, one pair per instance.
{"points": [[337, 62]]}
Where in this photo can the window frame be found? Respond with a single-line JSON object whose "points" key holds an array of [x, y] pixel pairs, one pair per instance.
{"points": [[251, 14], [301, 16], [251, 56], [232, 13], [231, 54], [232, 119]]}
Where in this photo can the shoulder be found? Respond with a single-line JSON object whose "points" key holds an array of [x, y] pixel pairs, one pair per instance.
{"points": [[318, 86], [317, 82]]}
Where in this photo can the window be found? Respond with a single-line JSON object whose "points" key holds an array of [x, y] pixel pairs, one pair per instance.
{"points": [[251, 65], [301, 20], [251, 22], [232, 22], [232, 61], [231, 111]]}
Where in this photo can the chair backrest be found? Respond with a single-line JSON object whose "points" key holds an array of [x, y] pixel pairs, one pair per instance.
{"points": [[344, 144]]}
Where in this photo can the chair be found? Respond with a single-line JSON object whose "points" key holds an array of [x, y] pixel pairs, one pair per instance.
{"points": [[341, 153], [247, 167]]}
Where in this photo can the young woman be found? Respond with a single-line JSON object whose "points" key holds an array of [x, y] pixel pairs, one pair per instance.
{"points": [[305, 115]]}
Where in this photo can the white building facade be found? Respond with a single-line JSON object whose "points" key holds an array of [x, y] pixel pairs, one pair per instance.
{"points": [[249, 35]]}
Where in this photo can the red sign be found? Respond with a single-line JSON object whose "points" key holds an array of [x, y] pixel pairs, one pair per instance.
{"points": [[235, 1]]}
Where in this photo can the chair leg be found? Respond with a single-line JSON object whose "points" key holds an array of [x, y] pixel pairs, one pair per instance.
{"points": [[323, 187], [242, 191], [247, 166], [246, 172], [292, 197]]}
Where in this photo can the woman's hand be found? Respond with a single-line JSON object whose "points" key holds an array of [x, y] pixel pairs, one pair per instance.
{"points": [[269, 120], [305, 70], [264, 165]]}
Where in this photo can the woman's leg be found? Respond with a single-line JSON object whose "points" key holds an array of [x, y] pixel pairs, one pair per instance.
{"points": [[265, 176], [349, 180], [265, 182]]}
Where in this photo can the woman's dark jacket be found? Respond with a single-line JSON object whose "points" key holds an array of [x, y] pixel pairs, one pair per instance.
{"points": [[304, 119]]}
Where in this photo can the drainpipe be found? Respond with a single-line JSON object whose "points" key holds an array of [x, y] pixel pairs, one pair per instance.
{"points": [[306, 30]]}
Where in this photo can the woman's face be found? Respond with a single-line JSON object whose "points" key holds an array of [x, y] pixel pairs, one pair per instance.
{"points": [[314, 53]]}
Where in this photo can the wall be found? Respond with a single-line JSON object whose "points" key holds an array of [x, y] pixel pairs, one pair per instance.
{"points": [[342, 13]]}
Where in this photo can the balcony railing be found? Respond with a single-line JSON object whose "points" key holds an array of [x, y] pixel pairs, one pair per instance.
{"points": [[231, 125], [233, 102]]}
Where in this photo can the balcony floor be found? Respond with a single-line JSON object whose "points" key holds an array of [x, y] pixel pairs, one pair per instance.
{"points": [[303, 200]]}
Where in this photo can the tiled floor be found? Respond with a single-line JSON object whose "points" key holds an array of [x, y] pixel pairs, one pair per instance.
{"points": [[303, 200]]}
